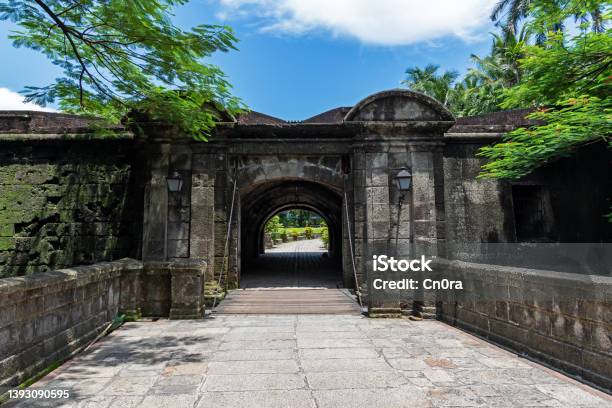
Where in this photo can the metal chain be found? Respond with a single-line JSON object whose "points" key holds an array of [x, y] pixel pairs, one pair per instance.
{"points": [[227, 238], [348, 228]]}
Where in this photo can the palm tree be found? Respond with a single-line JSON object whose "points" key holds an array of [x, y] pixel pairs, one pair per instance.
{"points": [[509, 13], [501, 67], [428, 81]]}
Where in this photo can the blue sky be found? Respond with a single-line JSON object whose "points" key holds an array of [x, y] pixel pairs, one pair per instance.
{"points": [[298, 58]]}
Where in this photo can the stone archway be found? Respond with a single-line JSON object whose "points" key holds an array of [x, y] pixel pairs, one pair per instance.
{"points": [[352, 158], [265, 200]]}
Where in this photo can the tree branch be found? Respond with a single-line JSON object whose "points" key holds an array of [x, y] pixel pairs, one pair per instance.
{"points": [[67, 34]]}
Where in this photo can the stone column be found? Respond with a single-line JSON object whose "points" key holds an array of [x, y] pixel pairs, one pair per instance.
{"points": [[425, 203], [202, 238], [154, 246], [223, 197], [405, 231], [179, 203], [358, 199], [234, 250], [379, 229]]}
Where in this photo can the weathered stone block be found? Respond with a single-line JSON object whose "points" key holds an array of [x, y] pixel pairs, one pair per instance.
{"points": [[187, 289], [178, 248]]}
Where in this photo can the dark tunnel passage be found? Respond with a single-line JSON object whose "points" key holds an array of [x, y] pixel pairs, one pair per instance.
{"points": [[301, 263]]}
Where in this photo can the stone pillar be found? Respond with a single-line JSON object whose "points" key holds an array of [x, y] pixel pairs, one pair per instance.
{"points": [[154, 246], [187, 289], [348, 275], [234, 250], [405, 231], [225, 260], [425, 203], [358, 199], [179, 203], [202, 238], [222, 203], [379, 231]]}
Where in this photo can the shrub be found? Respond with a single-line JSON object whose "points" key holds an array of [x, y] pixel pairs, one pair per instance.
{"points": [[308, 232], [273, 224], [325, 237]]}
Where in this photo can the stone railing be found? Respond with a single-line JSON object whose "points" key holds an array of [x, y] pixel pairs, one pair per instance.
{"points": [[562, 319], [47, 317]]}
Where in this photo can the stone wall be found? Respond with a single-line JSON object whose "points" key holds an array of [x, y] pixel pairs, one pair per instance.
{"points": [[44, 318], [47, 317], [66, 202], [563, 319], [576, 192]]}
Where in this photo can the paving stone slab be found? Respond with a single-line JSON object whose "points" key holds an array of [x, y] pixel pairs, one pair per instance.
{"points": [[129, 386], [253, 382], [258, 345], [184, 368], [346, 364], [403, 397], [354, 379], [251, 355], [354, 352], [332, 343], [169, 401], [258, 399], [253, 367]]}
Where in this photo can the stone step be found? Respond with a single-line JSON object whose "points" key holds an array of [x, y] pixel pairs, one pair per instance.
{"points": [[282, 301]]}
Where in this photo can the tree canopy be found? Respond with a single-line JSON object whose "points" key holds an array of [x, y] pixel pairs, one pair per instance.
{"points": [[564, 74], [120, 56], [567, 79], [481, 89]]}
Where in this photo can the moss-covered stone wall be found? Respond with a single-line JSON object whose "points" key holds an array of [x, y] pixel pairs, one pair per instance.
{"points": [[66, 202]]}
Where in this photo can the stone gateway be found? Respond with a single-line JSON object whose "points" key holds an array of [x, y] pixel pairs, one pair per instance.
{"points": [[69, 197]]}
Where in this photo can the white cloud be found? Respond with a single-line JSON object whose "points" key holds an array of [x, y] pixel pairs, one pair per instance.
{"points": [[10, 100], [382, 22]]}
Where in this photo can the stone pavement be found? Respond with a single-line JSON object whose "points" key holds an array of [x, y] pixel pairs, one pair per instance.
{"points": [[293, 264], [305, 361]]}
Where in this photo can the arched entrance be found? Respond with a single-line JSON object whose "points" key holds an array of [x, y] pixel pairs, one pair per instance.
{"points": [[310, 268], [340, 164]]}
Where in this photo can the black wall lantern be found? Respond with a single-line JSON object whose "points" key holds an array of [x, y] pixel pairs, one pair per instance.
{"points": [[403, 180], [175, 182]]}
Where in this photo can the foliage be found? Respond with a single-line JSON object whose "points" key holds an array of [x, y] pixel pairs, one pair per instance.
{"points": [[569, 82], [122, 56], [302, 231], [481, 89], [300, 218], [273, 225], [570, 124], [429, 82], [325, 237], [278, 230], [509, 13], [565, 77], [501, 69], [308, 232]]}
